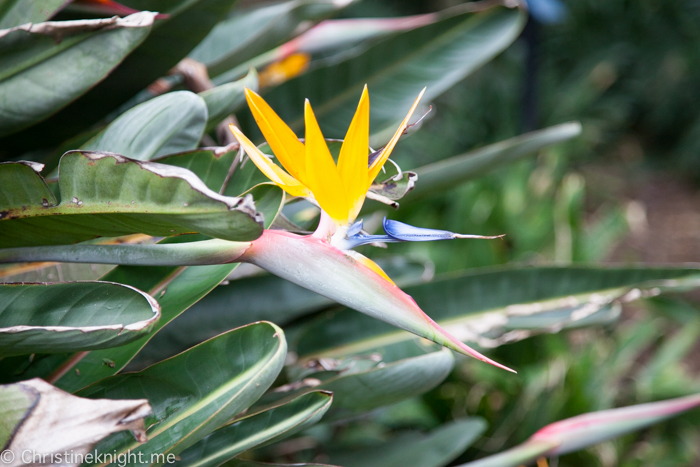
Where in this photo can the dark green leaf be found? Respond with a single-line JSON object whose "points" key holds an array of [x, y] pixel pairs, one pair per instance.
{"points": [[21, 186], [363, 383], [167, 124], [16, 12], [172, 38], [176, 289], [387, 384], [257, 429], [436, 449], [109, 195], [269, 200], [437, 56], [71, 316], [40, 75], [211, 165], [197, 391], [251, 31]]}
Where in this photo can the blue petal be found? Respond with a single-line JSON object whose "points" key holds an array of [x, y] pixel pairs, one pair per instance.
{"points": [[355, 229], [359, 240], [408, 233], [398, 232]]}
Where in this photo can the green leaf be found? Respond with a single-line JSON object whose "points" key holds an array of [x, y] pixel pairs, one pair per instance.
{"points": [[16, 12], [386, 384], [257, 429], [269, 200], [62, 317], [167, 124], [33, 412], [171, 39], [211, 165], [228, 98], [363, 383], [20, 186], [110, 195], [437, 56], [249, 32], [176, 289], [482, 306], [445, 174], [197, 391], [245, 177], [436, 449], [41, 75], [576, 433]]}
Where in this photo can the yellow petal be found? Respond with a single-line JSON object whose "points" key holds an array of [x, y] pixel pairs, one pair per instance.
{"points": [[322, 176], [269, 168], [282, 140], [386, 152], [352, 162]]}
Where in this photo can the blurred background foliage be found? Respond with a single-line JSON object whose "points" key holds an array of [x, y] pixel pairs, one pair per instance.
{"points": [[623, 191]]}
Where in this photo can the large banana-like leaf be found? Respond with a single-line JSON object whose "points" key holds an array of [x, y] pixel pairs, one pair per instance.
{"points": [[388, 383], [211, 165], [70, 316], [445, 174], [176, 290], [437, 56], [586, 430], [361, 384], [171, 39], [251, 31], [40, 74], [167, 124], [16, 12], [197, 391], [257, 429], [106, 194], [501, 304], [38, 419], [435, 449]]}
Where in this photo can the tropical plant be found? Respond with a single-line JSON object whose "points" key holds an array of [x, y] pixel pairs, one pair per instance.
{"points": [[178, 288]]}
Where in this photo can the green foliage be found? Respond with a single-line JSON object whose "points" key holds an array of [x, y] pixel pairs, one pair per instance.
{"points": [[105, 165], [63, 317]]}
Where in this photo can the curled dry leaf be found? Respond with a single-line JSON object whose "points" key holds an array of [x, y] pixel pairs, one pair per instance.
{"points": [[59, 29], [42, 422]]}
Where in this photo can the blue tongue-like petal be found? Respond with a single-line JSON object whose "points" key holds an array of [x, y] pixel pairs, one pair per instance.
{"points": [[408, 233], [399, 232]]}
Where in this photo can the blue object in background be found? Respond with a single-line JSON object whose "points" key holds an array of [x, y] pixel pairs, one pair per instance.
{"points": [[547, 11]]}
